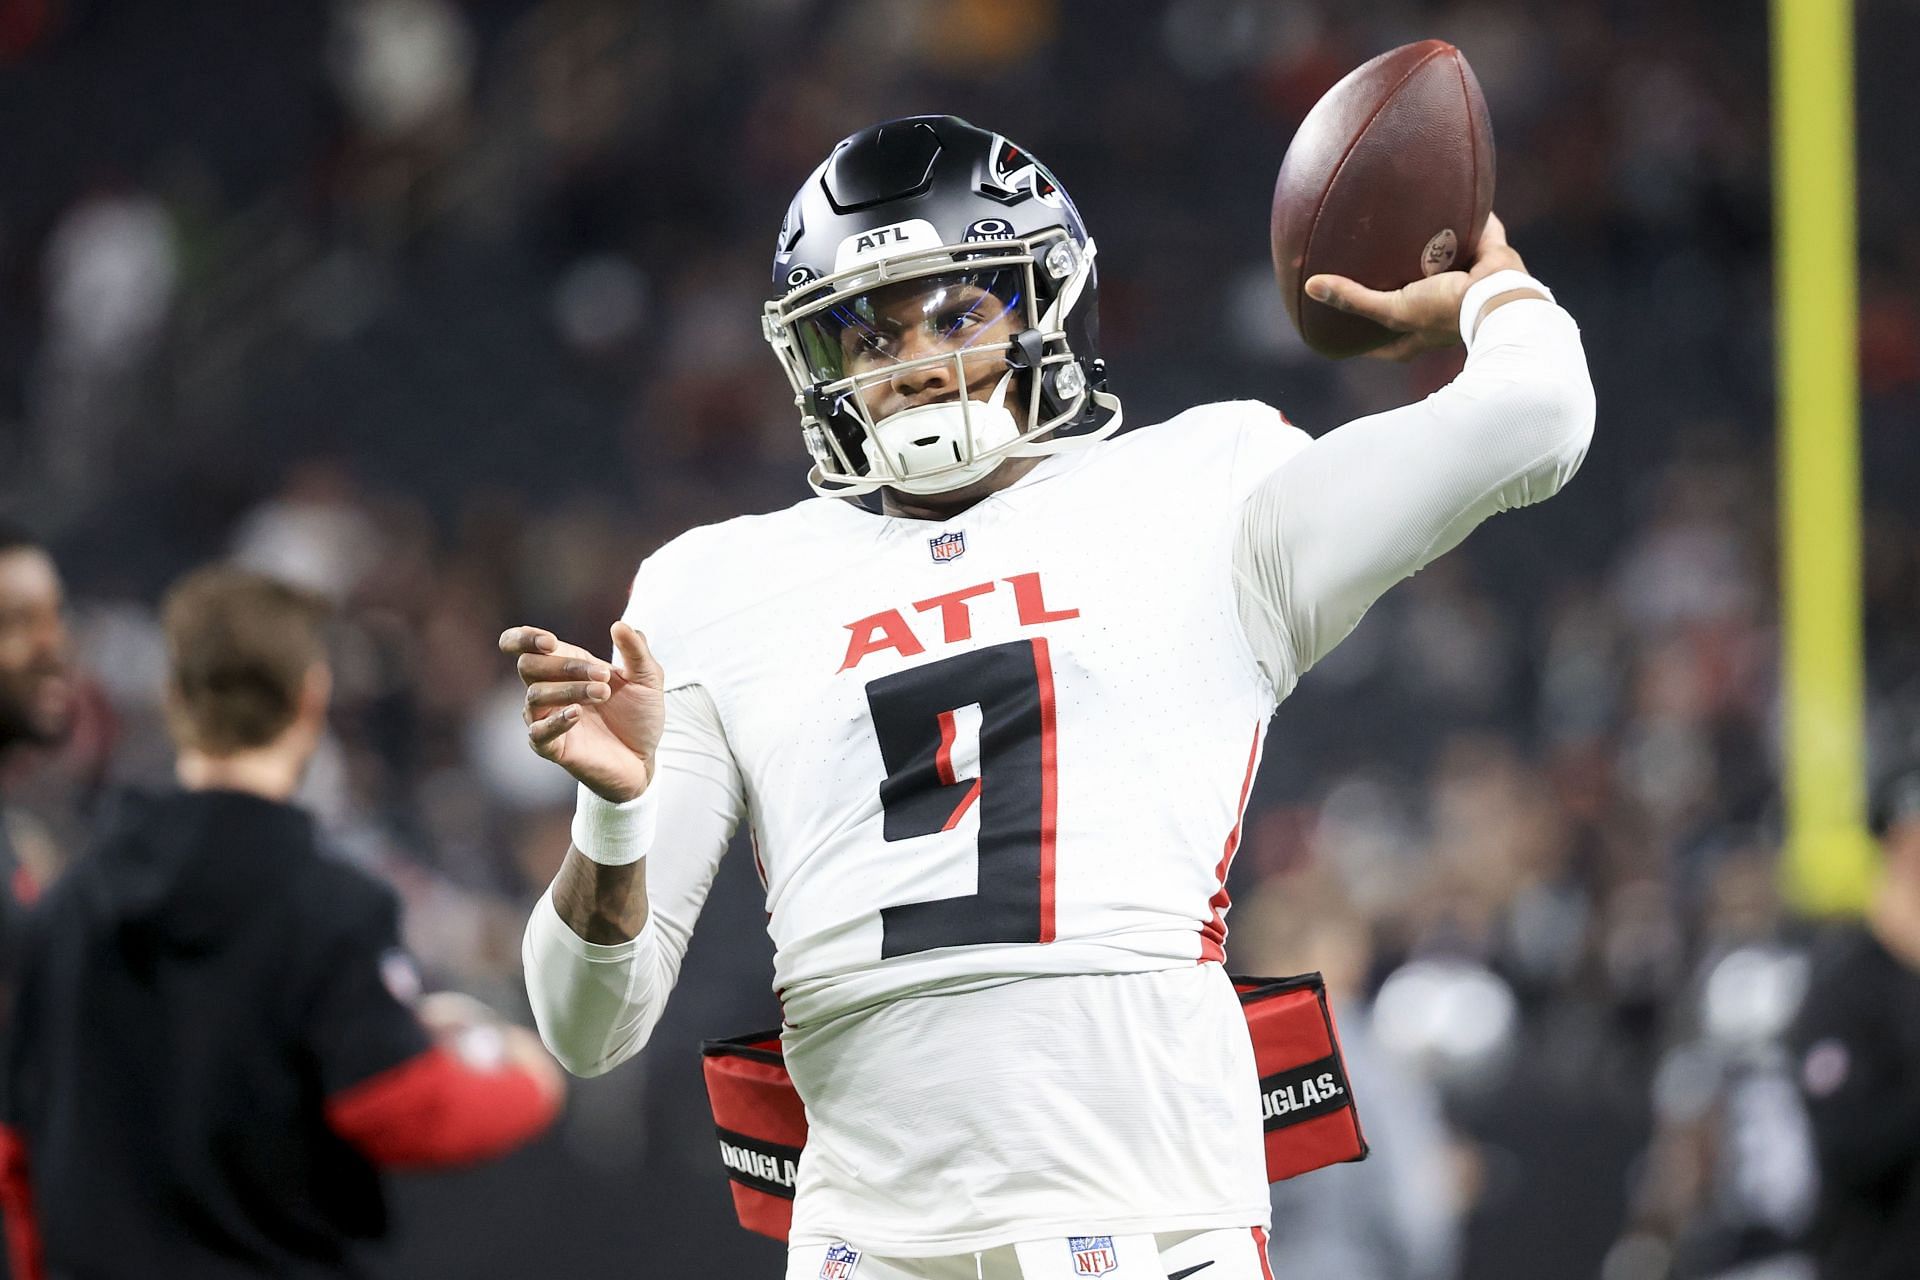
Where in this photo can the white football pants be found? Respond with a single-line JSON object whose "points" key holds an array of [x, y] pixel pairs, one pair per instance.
{"points": [[1237, 1253]]}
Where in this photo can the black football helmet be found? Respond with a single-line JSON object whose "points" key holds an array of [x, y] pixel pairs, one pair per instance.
{"points": [[975, 232]]}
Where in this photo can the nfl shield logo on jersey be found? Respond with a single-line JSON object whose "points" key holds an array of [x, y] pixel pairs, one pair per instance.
{"points": [[948, 546], [841, 1260], [1092, 1255]]}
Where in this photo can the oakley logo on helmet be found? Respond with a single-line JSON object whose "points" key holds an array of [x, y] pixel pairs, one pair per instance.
{"points": [[801, 275], [1015, 175], [989, 229]]}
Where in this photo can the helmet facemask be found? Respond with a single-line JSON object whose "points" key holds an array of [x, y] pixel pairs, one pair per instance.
{"points": [[988, 315]]}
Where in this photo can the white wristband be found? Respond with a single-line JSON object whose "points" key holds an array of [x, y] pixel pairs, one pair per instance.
{"points": [[614, 835], [1483, 291]]}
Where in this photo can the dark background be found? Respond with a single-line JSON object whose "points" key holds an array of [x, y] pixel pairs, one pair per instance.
{"points": [[449, 309]]}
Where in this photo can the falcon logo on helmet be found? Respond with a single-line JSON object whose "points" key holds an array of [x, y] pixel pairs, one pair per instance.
{"points": [[927, 253], [1017, 175]]}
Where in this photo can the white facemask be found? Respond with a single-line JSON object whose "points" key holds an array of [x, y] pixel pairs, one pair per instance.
{"points": [[932, 438]]}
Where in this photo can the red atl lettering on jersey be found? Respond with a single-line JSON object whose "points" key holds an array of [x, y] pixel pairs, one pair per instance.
{"points": [[884, 630], [955, 617], [1033, 608], [888, 629]]}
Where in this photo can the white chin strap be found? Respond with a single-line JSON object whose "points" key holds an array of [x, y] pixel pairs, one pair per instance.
{"points": [[936, 448]]}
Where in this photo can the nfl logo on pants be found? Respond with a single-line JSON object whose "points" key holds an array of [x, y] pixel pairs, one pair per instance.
{"points": [[841, 1260], [1092, 1255]]}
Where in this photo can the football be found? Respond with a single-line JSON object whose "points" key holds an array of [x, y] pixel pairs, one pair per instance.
{"points": [[1387, 180]]}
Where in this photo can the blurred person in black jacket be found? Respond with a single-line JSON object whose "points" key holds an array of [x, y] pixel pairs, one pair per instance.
{"points": [[1858, 1041], [36, 691], [219, 1041], [36, 704]]}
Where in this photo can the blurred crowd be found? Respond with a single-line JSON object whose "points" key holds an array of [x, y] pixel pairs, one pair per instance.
{"points": [[448, 310]]}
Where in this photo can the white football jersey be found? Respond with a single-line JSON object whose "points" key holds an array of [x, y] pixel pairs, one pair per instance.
{"points": [[1013, 743], [995, 769]]}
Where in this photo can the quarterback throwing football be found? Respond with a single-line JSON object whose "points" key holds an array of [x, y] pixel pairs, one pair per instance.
{"points": [[993, 726]]}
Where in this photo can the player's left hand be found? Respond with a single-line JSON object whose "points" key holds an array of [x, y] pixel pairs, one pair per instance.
{"points": [[1426, 312], [599, 721]]}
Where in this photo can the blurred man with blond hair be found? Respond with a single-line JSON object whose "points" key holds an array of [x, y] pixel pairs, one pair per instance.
{"points": [[220, 1041]]}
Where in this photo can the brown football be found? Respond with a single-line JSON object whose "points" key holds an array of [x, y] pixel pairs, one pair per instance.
{"points": [[1389, 178]]}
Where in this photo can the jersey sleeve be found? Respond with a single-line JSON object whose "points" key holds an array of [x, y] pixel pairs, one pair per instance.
{"points": [[1372, 502], [595, 1004], [360, 1022], [1263, 441]]}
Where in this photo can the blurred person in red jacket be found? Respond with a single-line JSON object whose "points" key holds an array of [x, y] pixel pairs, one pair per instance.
{"points": [[219, 1041]]}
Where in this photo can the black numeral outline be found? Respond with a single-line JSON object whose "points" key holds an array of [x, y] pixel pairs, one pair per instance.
{"points": [[1017, 790]]}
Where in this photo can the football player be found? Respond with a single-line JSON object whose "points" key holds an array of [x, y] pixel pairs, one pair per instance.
{"points": [[992, 704]]}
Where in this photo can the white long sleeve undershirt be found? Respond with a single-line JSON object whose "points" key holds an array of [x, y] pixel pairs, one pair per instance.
{"points": [[1380, 498], [596, 1004], [1320, 540]]}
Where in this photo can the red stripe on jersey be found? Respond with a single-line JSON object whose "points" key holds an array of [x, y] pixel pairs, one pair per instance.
{"points": [[943, 758], [1213, 934], [759, 864], [16, 1206], [943, 768], [1260, 1243], [966, 803], [1049, 782]]}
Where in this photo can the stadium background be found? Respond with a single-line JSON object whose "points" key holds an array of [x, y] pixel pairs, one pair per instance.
{"points": [[450, 309]]}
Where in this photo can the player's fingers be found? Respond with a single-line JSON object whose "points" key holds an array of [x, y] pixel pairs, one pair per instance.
{"points": [[1493, 253], [533, 667], [1397, 351], [564, 693], [1494, 234], [1404, 348], [528, 640], [544, 733], [636, 659], [532, 640], [1350, 295]]}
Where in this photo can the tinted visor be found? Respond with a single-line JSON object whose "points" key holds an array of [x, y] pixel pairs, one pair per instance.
{"points": [[911, 320]]}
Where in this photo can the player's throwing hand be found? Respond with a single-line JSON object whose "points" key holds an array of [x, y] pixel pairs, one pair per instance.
{"points": [[599, 722], [1426, 312]]}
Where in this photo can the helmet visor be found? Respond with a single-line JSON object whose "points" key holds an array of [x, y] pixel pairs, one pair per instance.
{"points": [[875, 332]]}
